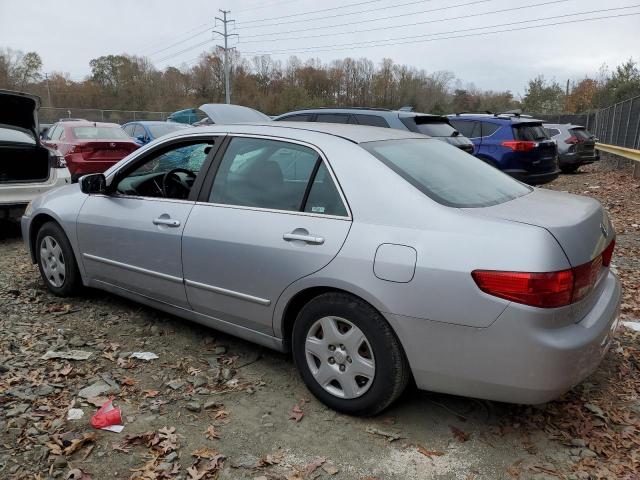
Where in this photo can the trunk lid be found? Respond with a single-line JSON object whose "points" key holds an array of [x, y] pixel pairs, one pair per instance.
{"points": [[19, 110], [105, 150], [579, 224]]}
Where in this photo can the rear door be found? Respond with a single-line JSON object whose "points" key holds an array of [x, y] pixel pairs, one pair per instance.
{"points": [[470, 129], [272, 215], [586, 144]]}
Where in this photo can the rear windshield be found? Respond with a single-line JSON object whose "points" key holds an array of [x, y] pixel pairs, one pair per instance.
{"points": [[530, 131], [15, 136], [581, 133], [428, 126], [160, 130], [445, 173], [99, 133]]}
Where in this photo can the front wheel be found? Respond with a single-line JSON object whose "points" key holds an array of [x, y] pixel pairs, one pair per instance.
{"points": [[56, 261], [348, 355]]}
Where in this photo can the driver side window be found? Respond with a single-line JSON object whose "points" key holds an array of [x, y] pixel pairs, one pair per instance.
{"points": [[167, 173]]}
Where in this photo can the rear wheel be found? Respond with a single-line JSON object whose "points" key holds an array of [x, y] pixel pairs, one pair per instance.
{"points": [[569, 168], [56, 261], [348, 355]]}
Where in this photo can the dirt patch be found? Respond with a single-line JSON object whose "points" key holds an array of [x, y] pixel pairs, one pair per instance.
{"points": [[213, 406]]}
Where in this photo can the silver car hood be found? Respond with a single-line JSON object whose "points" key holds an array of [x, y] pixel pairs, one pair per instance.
{"points": [[579, 224], [223, 113]]}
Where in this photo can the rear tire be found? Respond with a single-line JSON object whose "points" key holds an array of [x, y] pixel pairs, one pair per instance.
{"points": [[56, 261], [569, 168], [348, 355]]}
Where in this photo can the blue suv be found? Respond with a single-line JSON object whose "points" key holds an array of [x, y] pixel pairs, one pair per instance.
{"points": [[516, 144]]}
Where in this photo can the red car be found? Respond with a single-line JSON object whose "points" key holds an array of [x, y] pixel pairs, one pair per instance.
{"points": [[89, 147]]}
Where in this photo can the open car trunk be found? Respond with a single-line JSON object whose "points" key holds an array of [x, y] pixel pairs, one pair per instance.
{"points": [[22, 158], [23, 164]]}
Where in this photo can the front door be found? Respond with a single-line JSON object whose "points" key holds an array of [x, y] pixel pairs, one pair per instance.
{"points": [[132, 238], [272, 216]]}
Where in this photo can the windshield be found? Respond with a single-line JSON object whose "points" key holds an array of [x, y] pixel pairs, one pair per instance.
{"points": [[530, 132], [17, 136], [99, 133], [160, 130], [447, 174]]}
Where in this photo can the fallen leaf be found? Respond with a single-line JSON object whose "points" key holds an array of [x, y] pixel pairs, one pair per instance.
{"points": [[150, 393], [129, 382], [391, 437], [78, 443], [220, 414], [296, 413], [205, 452], [459, 434], [314, 465], [211, 433], [429, 453], [330, 469]]}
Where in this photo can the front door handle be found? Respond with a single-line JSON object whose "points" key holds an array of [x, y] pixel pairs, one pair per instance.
{"points": [[168, 222], [303, 238]]}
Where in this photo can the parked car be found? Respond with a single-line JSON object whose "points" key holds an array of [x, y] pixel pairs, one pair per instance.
{"points": [[143, 132], [433, 125], [89, 147], [374, 255], [43, 129], [516, 144], [27, 168], [576, 145]]}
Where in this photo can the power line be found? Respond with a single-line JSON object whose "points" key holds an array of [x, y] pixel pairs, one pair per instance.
{"points": [[279, 19], [178, 43], [151, 46], [266, 6], [387, 27], [175, 54], [414, 38]]}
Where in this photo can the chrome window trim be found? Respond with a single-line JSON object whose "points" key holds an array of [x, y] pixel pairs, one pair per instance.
{"points": [[272, 210], [133, 268], [324, 160], [137, 197], [230, 293]]}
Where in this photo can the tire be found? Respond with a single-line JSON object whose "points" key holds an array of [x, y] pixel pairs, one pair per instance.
{"points": [[569, 168], [380, 348], [60, 270]]}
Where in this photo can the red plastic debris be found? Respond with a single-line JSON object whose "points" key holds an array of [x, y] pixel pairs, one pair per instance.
{"points": [[107, 416]]}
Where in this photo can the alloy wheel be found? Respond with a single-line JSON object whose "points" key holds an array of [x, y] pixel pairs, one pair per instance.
{"points": [[52, 261]]}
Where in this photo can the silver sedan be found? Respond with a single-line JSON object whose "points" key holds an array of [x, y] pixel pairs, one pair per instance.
{"points": [[375, 256]]}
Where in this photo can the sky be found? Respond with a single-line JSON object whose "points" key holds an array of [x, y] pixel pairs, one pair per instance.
{"points": [[427, 34]]}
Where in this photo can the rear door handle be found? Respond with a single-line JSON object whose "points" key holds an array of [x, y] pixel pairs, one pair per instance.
{"points": [[168, 222], [303, 238]]}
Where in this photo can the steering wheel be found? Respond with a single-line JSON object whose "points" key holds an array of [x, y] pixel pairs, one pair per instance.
{"points": [[171, 182]]}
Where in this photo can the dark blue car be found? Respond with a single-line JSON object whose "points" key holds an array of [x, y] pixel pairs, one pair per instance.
{"points": [[516, 144], [143, 132]]}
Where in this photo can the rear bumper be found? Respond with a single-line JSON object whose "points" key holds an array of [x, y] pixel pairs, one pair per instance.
{"points": [[533, 178], [528, 355], [79, 167], [575, 158]]}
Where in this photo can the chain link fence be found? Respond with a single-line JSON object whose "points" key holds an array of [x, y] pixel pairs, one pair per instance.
{"points": [[618, 124], [52, 115]]}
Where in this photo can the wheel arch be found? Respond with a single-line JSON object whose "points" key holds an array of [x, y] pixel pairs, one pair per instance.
{"points": [[34, 226], [287, 309]]}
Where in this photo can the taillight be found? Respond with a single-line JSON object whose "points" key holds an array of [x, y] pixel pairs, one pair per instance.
{"points": [[81, 149], [544, 290], [572, 140], [519, 145]]}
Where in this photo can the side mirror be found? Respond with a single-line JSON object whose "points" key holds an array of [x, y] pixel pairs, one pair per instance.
{"points": [[94, 183]]}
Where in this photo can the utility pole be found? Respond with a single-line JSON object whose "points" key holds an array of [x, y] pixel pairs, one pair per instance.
{"points": [[46, 76], [227, 67]]}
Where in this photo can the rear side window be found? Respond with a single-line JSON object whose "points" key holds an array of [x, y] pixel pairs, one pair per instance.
{"points": [[445, 173], [581, 133], [434, 127], [372, 120], [530, 132], [298, 118], [469, 129], [489, 129], [99, 133], [552, 132], [275, 175], [332, 118]]}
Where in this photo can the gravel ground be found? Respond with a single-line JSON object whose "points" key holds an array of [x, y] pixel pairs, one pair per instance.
{"points": [[213, 406]]}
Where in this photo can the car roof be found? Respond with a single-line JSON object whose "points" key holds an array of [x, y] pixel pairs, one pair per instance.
{"points": [[495, 117], [87, 123], [381, 112], [304, 131], [562, 125]]}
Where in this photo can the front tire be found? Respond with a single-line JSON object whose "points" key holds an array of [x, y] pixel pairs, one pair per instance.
{"points": [[56, 261], [348, 355]]}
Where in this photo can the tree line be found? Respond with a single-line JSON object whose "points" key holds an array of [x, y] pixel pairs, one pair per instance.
{"points": [[125, 82]]}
